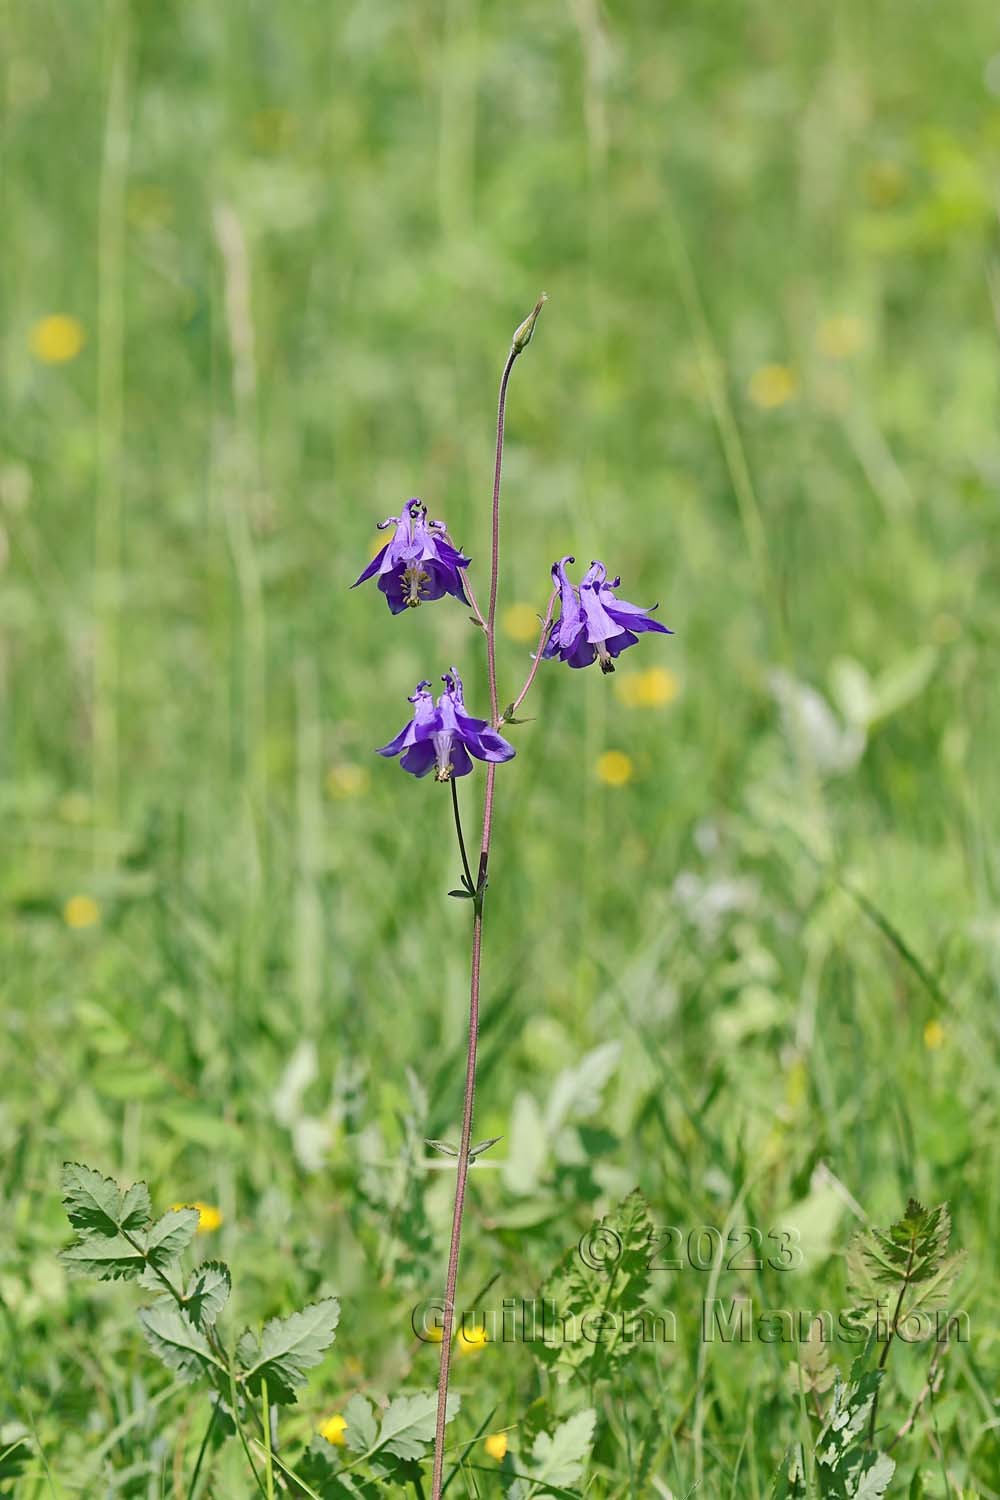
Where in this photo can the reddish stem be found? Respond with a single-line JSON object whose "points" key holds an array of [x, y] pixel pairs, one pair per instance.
{"points": [[462, 1167]]}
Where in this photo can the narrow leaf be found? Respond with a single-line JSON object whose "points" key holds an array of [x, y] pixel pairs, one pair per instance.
{"points": [[484, 1146], [442, 1146]]}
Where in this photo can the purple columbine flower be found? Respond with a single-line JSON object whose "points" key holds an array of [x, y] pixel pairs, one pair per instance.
{"points": [[443, 735], [419, 563], [593, 625]]}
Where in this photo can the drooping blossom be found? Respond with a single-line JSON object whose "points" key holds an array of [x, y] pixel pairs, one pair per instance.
{"points": [[419, 563], [594, 625], [443, 736]]}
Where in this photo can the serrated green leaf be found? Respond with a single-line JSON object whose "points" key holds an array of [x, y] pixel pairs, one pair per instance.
{"points": [[173, 1337], [94, 1204], [207, 1293], [361, 1431], [872, 1479], [288, 1348], [170, 1236], [847, 1420], [907, 1266], [408, 1424], [561, 1458], [107, 1259], [603, 1304]]}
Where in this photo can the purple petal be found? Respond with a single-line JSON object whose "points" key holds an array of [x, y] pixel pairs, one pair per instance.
{"points": [[461, 765], [372, 567], [640, 621], [616, 644], [391, 585], [419, 759]]}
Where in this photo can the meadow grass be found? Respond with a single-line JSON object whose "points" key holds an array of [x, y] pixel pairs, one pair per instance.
{"points": [[742, 935]]}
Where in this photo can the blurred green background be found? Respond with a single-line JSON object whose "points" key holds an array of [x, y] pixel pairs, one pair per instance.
{"points": [[261, 266]]}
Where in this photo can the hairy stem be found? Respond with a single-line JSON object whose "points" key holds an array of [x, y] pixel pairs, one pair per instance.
{"points": [[521, 339]]}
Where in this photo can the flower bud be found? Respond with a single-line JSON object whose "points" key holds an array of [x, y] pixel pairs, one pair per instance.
{"points": [[522, 337]]}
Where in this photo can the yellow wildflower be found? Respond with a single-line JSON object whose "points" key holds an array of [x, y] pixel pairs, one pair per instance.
{"points": [[81, 911], [772, 386], [653, 689], [521, 622], [209, 1217], [471, 1340], [840, 337], [333, 1430], [614, 768], [348, 780], [57, 338], [934, 1036], [496, 1445]]}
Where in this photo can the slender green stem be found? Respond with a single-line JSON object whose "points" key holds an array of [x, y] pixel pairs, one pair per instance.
{"points": [[235, 1402], [892, 1331], [461, 838], [192, 1487], [509, 713], [266, 1419]]}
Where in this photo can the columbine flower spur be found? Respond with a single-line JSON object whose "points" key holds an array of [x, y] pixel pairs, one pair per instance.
{"points": [[419, 563], [443, 735], [593, 625]]}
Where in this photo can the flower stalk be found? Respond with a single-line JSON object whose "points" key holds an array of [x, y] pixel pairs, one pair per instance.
{"points": [[421, 563], [519, 344]]}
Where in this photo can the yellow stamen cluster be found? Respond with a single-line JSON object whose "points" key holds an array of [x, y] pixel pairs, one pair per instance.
{"points": [[414, 580]]}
